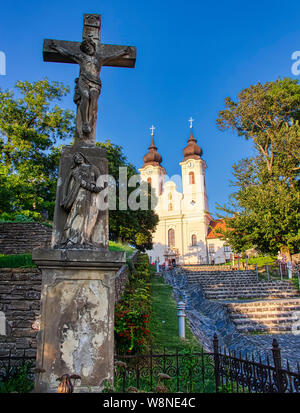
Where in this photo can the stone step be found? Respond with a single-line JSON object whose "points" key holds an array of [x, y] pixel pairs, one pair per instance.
{"points": [[225, 282], [216, 271], [249, 289], [227, 274], [263, 313], [267, 322], [244, 289], [262, 316], [252, 289], [231, 277], [219, 272], [254, 284], [250, 296], [263, 310], [220, 279], [281, 329], [267, 316], [251, 292], [262, 304], [235, 279], [222, 275]]}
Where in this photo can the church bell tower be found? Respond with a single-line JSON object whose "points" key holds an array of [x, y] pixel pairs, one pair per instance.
{"points": [[193, 169], [152, 171], [194, 200]]}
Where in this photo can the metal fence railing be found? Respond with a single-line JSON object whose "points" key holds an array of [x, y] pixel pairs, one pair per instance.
{"points": [[217, 371]]}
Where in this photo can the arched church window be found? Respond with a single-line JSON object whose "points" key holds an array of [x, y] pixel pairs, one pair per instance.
{"points": [[171, 238], [194, 239], [149, 180], [191, 177], [170, 196], [170, 207], [160, 188]]}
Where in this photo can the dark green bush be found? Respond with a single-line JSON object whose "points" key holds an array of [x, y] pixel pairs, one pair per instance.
{"points": [[16, 261], [16, 379]]}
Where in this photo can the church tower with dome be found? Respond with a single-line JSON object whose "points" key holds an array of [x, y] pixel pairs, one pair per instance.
{"points": [[184, 232], [152, 171]]}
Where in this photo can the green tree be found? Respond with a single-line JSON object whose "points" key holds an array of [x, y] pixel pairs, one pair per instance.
{"points": [[263, 212], [31, 124], [31, 127], [134, 227]]}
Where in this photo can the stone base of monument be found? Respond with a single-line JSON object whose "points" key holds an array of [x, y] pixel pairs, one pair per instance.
{"points": [[77, 317]]}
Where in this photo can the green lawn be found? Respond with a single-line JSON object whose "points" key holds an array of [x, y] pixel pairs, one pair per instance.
{"points": [[260, 261], [117, 246], [164, 321]]}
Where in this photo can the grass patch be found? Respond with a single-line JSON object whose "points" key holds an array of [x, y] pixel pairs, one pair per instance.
{"points": [[275, 276], [25, 260], [117, 246], [164, 321], [16, 261], [295, 281], [261, 261]]}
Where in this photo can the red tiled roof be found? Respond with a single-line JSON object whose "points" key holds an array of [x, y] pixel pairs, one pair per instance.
{"points": [[214, 225]]}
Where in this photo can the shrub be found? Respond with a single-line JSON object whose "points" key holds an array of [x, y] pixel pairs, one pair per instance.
{"points": [[17, 379], [20, 216], [16, 261], [133, 311]]}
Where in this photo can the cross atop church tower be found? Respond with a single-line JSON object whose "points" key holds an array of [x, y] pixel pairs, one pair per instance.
{"points": [[152, 130], [191, 120]]}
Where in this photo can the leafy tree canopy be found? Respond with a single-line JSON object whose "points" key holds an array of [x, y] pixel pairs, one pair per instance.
{"points": [[32, 127], [135, 227], [31, 124], [264, 211]]}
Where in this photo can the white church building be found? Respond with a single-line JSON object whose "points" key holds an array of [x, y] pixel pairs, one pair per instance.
{"points": [[186, 232]]}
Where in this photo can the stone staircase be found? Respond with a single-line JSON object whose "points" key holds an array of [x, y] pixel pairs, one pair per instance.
{"points": [[239, 285], [203, 268], [275, 305], [271, 317]]}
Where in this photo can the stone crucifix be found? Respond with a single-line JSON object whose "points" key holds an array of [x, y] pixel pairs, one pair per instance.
{"points": [[91, 55]]}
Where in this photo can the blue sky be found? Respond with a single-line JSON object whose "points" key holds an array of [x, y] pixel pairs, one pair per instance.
{"points": [[190, 55]]}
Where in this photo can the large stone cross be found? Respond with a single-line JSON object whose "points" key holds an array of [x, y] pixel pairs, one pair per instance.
{"points": [[91, 55]]}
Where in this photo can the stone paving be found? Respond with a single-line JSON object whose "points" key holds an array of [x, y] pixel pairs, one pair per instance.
{"points": [[208, 317]]}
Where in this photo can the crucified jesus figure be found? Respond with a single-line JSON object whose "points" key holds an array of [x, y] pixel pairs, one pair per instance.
{"points": [[88, 84]]}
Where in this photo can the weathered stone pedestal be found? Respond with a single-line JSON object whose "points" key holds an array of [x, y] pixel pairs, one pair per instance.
{"points": [[77, 317]]}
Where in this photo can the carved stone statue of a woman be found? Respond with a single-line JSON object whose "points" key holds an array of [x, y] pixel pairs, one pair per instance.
{"points": [[80, 201]]}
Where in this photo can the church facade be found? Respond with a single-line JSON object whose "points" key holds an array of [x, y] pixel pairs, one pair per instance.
{"points": [[186, 232]]}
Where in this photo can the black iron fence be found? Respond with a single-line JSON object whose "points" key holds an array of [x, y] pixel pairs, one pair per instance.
{"points": [[205, 372], [235, 374], [187, 372], [175, 372]]}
